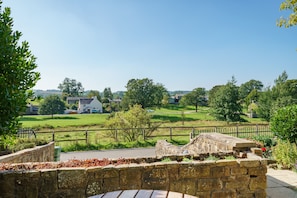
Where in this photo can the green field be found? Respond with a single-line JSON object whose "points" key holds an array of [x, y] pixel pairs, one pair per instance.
{"points": [[172, 116], [70, 130], [62, 121]]}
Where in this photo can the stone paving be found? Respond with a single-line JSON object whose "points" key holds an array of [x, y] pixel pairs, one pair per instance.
{"points": [[280, 183]]}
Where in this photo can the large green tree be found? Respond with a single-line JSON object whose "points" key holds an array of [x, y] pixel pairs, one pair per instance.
{"points": [[291, 20], [71, 88], [107, 93], [17, 73], [212, 93], [51, 105], [226, 106], [246, 88], [264, 104], [195, 98], [282, 94], [143, 92]]}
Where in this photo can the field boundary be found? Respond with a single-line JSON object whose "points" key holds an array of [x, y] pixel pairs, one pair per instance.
{"points": [[162, 132]]}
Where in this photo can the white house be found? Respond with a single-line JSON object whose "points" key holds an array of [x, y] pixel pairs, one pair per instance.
{"points": [[89, 105], [86, 105]]}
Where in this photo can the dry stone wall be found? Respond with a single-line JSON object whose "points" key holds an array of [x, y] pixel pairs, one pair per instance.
{"points": [[209, 179], [43, 153]]}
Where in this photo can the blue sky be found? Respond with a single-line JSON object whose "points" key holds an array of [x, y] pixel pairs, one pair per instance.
{"points": [[180, 44]]}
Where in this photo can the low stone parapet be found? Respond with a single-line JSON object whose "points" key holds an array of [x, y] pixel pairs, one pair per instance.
{"points": [[44, 153], [215, 179]]}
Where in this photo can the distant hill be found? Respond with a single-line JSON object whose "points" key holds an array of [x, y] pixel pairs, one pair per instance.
{"points": [[45, 93]]}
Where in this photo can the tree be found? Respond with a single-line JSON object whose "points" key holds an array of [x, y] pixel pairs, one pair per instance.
{"points": [[264, 104], [70, 88], [252, 97], [195, 98], [226, 105], [131, 124], [17, 75], [212, 93], [52, 105], [284, 92], [107, 94], [288, 5], [246, 88], [284, 122], [143, 92], [93, 93]]}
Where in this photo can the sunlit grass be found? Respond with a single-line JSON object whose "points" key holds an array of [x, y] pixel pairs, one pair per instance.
{"points": [[173, 115], [61, 121]]}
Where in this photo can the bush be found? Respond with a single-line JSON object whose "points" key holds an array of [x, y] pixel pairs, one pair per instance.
{"points": [[265, 140], [285, 153], [284, 122]]}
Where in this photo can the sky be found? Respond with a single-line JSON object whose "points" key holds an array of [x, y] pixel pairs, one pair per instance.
{"points": [[180, 44]]}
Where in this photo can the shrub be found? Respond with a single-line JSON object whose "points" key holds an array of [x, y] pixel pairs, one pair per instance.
{"points": [[285, 153], [265, 140], [284, 122]]}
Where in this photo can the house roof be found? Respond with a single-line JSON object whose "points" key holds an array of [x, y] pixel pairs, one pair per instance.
{"points": [[75, 99], [85, 100]]}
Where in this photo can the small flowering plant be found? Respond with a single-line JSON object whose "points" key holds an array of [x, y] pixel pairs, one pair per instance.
{"points": [[267, 153]]}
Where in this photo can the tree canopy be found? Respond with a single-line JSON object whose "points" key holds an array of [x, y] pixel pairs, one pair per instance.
{"points": [[283, 93], [195, 97], [70, 88], [17, 75], [51, 105], [225, 105], [246, 88], [143, 92], [291, 20], [93, 93]]}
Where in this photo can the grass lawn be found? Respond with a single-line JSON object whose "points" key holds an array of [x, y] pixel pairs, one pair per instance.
{"points": [[62, 121], [172, 116], [74, 126]]}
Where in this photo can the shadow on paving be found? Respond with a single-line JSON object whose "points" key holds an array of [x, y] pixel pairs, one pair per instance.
{"points": [[277, 188]]}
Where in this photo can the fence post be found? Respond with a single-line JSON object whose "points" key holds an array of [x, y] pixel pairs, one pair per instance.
{"points": [[237, 132], [53, 136], [116, 135], [170, 131], [87, 142], [257, 129], [143, 134]]}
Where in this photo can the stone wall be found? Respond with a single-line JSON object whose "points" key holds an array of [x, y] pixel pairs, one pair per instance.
{"points": [[217, 142], [206, 143], [43, 153], [210, 179]]}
